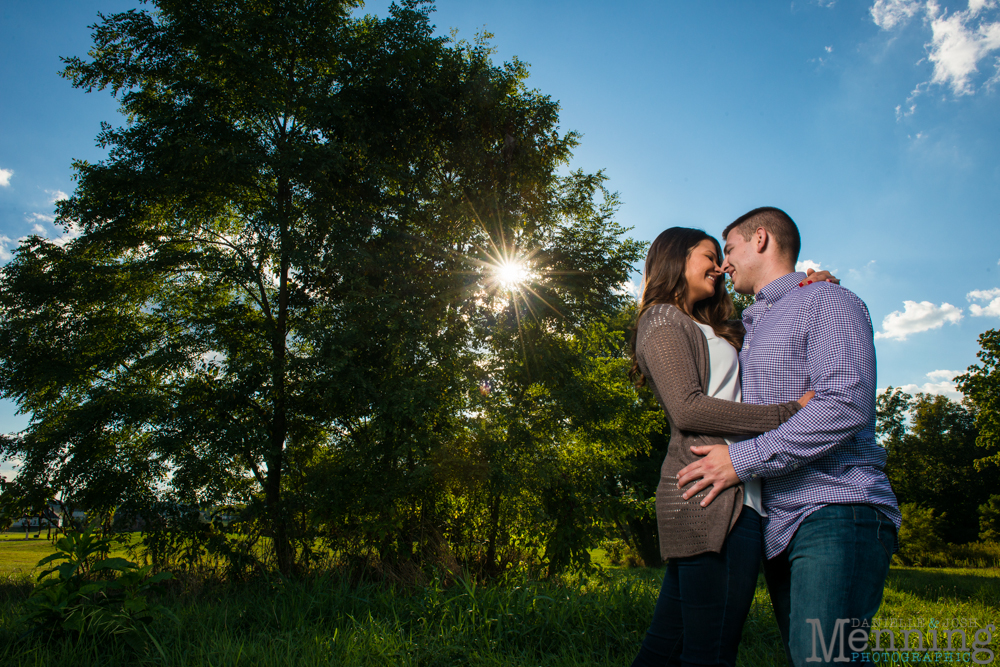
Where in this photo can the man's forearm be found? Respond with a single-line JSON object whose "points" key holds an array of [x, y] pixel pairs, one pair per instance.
{"points": [[819, 428]]}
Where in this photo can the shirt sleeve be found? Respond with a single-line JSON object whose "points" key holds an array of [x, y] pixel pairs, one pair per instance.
{"points": [[670, 366], [840, 359]]}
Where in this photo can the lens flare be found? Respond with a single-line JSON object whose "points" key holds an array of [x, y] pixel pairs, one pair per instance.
{"points": [[512, 274]]}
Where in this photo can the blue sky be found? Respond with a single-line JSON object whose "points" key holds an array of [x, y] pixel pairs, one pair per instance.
{"points": [[874, 124]]}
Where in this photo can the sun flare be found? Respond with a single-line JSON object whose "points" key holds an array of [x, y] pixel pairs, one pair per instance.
{"points": [[512, 274]]}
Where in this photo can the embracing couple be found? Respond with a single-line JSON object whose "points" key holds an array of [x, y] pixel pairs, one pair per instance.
{"points": [[772, 446]]}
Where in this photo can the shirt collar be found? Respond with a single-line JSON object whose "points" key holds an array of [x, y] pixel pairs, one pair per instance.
{"points": [[779, 287]]}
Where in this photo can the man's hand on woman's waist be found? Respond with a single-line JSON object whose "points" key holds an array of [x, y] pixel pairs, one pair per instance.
{"points": [[714, 469]]}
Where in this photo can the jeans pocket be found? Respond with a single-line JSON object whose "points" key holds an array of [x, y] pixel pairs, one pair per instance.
{"points": [[886, 534]]}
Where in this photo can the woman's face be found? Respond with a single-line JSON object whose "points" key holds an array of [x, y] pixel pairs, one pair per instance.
{"points": [[701, 272]]}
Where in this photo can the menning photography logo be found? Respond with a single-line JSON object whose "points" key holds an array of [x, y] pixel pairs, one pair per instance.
{"points": [[895, 640]]}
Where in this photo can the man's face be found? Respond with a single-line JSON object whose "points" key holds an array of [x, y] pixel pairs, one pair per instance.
{"points": [[740, 261]]}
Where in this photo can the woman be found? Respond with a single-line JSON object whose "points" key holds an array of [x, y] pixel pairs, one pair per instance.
{"points": [[685, 346]]}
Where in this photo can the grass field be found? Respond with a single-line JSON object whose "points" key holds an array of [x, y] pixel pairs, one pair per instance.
{"points": [[593, 620], [20, 556]]}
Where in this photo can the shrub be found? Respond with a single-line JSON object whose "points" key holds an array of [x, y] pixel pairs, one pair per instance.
{"points": [[975, 554], [989, 520], [621, 553], [88, 595], [919, 538]]}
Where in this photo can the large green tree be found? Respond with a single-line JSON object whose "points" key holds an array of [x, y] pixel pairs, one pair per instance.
{"points": [[981, 384], [931, 446], [285, 290]]}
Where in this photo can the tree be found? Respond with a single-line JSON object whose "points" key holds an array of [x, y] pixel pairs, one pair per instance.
{"points": [[920, 540], [931, 460], [981, 385], [285, 283], [989, 519], [891, 407]]}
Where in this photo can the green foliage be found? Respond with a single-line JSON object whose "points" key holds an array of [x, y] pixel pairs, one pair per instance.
{"points": [[920, 540], [932, 459], [583, 621], [740, 301], [981, 554], [981, 386], [183, 539], [989, 519], [285, 296], [891, 407], [87, 595], [630, 491]]}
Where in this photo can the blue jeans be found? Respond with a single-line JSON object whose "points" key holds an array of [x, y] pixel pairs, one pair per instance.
{"points": [[704, 601], [834, 568]]}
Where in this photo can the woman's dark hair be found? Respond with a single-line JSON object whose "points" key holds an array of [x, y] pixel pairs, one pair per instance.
{"points": [[663, 282]]}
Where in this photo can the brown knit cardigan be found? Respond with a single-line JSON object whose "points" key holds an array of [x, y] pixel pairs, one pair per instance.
{"points": [[672, 353]]}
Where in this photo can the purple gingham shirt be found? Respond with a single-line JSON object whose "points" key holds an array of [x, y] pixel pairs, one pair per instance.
{"points": [[818, 337]]}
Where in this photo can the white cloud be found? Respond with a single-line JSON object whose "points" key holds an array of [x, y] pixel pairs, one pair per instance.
{"points": [[958, 44], [917, 317], [941, 382], [991, 309], [864, 274], [983, 294], [975, 6], [57, 195], [5, 175], [4, 245], [628, 287], [887, 14], [992, 82], [829, 49], [69, 234], [960, 40], [807, 264]]}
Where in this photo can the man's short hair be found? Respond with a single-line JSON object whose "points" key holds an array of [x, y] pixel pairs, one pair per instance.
{"points": [[778, 225]]}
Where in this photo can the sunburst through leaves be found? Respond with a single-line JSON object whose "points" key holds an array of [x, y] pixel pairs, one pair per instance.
{"points": [[512, 274]]}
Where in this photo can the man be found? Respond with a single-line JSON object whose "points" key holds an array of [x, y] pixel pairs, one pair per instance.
{"points": [[832, 518]]}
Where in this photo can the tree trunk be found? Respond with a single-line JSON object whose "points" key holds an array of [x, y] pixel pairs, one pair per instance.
{"points": [[491, 551], [284, 554]]}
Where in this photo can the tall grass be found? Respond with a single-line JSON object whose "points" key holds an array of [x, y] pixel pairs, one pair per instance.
{"points": [[596, 620], [326, 621]]}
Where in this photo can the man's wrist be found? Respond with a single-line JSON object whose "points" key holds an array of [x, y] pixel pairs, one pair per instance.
{"points": [[745, 459]]}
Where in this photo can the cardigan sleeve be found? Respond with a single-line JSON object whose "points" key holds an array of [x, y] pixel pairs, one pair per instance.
{"points": [[667, 354]]}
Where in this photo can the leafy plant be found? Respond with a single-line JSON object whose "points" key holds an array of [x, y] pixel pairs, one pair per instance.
{"points": [[981, 386], [920, 541], [85, 594], [989, 519]]}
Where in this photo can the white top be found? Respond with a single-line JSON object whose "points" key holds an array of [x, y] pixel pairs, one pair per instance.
{"points": [[724, 383]]}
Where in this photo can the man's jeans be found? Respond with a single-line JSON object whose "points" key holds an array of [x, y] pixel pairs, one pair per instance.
{"points": [[834, 568], [704, 600]]}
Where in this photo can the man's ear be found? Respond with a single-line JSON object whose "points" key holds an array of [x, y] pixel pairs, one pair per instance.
{"points": [[760, 239]]}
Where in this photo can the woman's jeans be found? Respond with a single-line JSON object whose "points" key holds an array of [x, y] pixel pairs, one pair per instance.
{"points": [[704, 601], [829, 581]]}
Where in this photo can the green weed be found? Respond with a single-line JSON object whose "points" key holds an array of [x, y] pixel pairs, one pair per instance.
{"points": [[581, 621], [85, 595]]}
